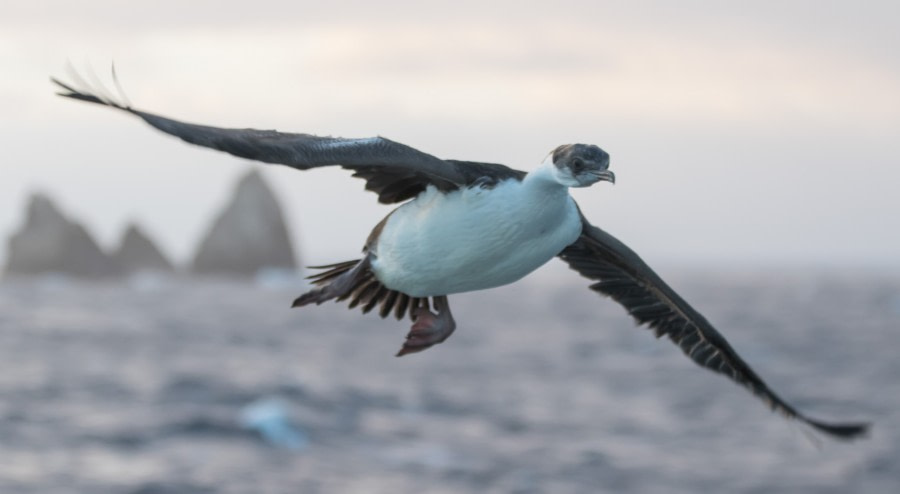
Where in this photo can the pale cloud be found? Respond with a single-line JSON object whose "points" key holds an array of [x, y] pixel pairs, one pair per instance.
{"points": [[460, 70], [562, 63]]}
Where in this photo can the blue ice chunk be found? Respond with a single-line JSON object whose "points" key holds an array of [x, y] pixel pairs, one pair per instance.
{"points": [[269, 417]]}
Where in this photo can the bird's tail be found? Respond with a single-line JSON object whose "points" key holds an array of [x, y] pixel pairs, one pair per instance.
{"points": [[354, 280]]}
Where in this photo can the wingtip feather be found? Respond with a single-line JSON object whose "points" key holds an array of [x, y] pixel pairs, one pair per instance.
{"points": [[82, 90], [847, 431]]}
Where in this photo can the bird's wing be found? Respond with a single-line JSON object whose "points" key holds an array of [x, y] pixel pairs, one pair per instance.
{"points": [[394, 171], [622, 275]]}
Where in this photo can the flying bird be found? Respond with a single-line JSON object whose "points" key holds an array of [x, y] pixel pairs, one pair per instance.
{"points": [[461, 226]]}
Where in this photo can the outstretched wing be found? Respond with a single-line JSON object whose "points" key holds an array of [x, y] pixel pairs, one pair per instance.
{"points": [[394, 171], [622, 275]]}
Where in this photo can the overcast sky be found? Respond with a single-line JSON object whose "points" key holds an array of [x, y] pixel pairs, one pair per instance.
{"points": [[751, 133]]}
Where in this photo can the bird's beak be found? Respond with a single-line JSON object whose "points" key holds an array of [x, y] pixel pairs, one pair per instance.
{"points": [[607, 175]]}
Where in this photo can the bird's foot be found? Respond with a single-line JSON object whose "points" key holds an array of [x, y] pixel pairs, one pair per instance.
{"points": [[428, 328]]}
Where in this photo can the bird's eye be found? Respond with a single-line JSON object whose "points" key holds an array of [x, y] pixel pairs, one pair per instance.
{"points": [[577, 165]]}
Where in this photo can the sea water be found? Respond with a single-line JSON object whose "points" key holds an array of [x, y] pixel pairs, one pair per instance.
{"points": [[544, 387]]}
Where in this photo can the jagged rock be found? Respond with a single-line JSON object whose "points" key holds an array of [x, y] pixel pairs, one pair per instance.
{"points": [[137, 253], [248, 235], [50, 243]]}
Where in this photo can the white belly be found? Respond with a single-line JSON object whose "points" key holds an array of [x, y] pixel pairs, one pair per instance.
{"points": [[473, 239]]}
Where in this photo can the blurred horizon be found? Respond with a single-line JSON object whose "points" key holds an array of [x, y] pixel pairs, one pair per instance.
{"points": [[555, 271], [741, 135]]}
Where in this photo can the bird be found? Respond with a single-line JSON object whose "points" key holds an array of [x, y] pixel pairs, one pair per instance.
{"points": [[462, 226]]}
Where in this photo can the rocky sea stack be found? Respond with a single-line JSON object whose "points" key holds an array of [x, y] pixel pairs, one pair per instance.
{"points": [[249, 235], [49, 243], [138, 253]]}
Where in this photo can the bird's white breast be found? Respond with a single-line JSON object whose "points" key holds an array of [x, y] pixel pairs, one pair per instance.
{"points": [[475, 238]]}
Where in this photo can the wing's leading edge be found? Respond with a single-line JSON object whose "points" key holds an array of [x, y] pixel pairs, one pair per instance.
{"points": [[394, 171]]}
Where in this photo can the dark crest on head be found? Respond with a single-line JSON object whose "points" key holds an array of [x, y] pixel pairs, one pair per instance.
{"points": [[576, 156]]}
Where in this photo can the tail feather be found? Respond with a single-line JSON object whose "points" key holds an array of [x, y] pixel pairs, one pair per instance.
{"points": [[401, 305], [378, 296], [361, 293], [337, 282], [355, 281], [332, 271], [387, 303]]}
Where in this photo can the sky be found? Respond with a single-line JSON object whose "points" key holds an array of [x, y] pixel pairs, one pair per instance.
{"points": [[742, 134]]}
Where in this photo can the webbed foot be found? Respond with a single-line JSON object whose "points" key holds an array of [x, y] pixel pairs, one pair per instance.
{"points": [[428, 328]]}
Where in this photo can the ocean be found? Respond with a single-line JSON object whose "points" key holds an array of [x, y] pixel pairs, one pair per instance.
{"points": [[175, 386]]}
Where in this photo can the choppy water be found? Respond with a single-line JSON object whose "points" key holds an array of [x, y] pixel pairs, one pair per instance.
{"points": [[544, 387]]}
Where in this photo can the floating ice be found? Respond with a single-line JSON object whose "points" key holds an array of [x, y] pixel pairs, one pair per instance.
{"points": [[269, 417]]}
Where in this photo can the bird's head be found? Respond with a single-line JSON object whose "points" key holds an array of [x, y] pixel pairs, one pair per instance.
{"points": [[581, 165]]}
